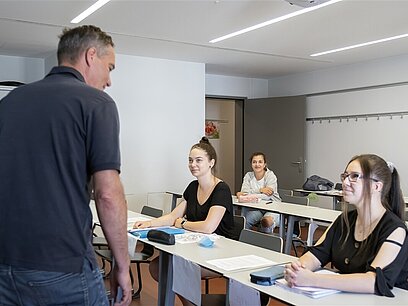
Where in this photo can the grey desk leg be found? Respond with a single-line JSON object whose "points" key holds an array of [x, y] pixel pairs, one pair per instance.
{"points": [[165, 286], [282, 226], [289, 233]]}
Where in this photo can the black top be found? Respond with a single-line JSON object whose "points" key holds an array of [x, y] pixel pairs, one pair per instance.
{"points": [[54, 134], [350, 259], [220, 196]]}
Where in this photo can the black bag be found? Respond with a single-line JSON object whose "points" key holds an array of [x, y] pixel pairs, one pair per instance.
{"points": [[317, 183]]}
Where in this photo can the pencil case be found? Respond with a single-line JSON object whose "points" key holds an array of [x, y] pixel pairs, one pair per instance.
{"points": [[161, 237], [267, 277]]}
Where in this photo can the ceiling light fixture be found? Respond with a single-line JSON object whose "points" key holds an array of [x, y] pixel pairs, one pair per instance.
{"points": [[96, 6], [361, 45], [275, 20]]}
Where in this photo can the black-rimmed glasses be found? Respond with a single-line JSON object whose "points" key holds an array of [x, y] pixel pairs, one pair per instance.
{"points": [[354, 176]]}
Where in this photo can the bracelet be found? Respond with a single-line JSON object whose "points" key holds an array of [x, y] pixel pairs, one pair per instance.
{"points": [[182, 222]]}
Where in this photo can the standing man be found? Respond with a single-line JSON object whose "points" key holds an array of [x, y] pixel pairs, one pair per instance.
{"points": [[55, 136]]}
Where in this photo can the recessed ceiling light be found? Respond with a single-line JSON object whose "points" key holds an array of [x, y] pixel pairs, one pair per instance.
{"points": [[361, 45], [275, 20], [96, 6]]}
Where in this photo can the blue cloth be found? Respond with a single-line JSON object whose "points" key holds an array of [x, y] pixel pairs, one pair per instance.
{"points": [[168, 230], [20, 286]]}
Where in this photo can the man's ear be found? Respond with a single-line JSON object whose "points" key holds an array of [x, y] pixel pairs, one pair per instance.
{"points": [[90, 54]]}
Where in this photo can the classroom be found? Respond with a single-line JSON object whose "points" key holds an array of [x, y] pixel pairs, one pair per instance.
{"points": [[167, 69]]}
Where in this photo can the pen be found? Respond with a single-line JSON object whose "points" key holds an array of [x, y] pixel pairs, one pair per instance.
{"points": [[270, 202]]}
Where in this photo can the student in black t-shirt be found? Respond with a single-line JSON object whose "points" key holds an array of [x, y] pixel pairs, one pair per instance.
{"points": [[368, 245], [207, 204]]}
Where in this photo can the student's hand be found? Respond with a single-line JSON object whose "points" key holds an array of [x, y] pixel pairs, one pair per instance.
{"points": [[239, 193], [177, 223], [142, 224], [266, 190], [297, 275]]}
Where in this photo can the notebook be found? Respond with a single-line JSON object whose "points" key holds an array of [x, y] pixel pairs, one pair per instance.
{"points": [[166, 229], [313, 292]]}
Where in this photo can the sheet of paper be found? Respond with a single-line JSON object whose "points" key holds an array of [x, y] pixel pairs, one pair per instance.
{"points": [[313, 292], [241, 262], [132, 221]]}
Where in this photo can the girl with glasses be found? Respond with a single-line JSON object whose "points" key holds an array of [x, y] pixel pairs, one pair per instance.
{"points": [[368, 246]]}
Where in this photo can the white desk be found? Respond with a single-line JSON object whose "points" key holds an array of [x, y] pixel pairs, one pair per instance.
{"points": [[223, 248], [336, 195], [132, 216], [342, 298], [292, 212]]}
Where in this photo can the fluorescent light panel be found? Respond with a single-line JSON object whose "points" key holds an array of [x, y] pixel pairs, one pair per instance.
{"points": [[361, 45], [94, 7], [275, 20]]}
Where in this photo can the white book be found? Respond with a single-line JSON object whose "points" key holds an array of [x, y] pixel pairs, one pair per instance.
{"points": [[313, 292]]}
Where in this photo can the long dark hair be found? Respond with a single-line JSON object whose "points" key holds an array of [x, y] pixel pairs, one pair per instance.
{"points": [[374, 167]]}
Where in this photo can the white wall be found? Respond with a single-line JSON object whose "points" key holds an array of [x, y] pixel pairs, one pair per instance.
{"points": [[21, 69], [220, 85], [329, 146], [162, 110], [161, 105], [378, 72]]}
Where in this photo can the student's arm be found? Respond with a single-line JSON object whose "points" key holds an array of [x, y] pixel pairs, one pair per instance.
{"points": [[355, 282], [271, 183], [166, 220], [112, 212], [209, 225]]}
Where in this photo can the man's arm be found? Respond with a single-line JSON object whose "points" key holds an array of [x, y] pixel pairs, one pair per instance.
{"points": [[112, 212]]}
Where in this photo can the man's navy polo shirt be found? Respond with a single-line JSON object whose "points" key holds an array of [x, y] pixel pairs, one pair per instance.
{"points": [[54, 134]]}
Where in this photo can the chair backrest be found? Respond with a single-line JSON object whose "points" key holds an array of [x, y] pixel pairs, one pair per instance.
{"points": [[239, 224], [295, 200], [287, 192], [267, 241], [151, 211]]}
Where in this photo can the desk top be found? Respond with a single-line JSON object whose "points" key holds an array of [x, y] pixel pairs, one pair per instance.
{"points": [[342, 298], [222, 248], [331, 193], [302, 211]]}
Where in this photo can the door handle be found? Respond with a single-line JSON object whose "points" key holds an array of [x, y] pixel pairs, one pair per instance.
{"points": [[299, 164]]}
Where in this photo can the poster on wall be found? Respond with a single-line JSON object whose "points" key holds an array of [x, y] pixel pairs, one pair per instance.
{"points": [[212, 129]]}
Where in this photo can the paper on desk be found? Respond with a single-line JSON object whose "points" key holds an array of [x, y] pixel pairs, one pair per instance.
{"points": [[241, 262], [313, 292], [132, 221]]}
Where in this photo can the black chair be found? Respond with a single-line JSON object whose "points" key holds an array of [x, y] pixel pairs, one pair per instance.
{"points": [[139, 257], [239, 225], [287, 192], [267, 241]]}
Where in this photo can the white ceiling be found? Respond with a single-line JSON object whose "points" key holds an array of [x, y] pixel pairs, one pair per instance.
{"points": [[181, 30]]}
